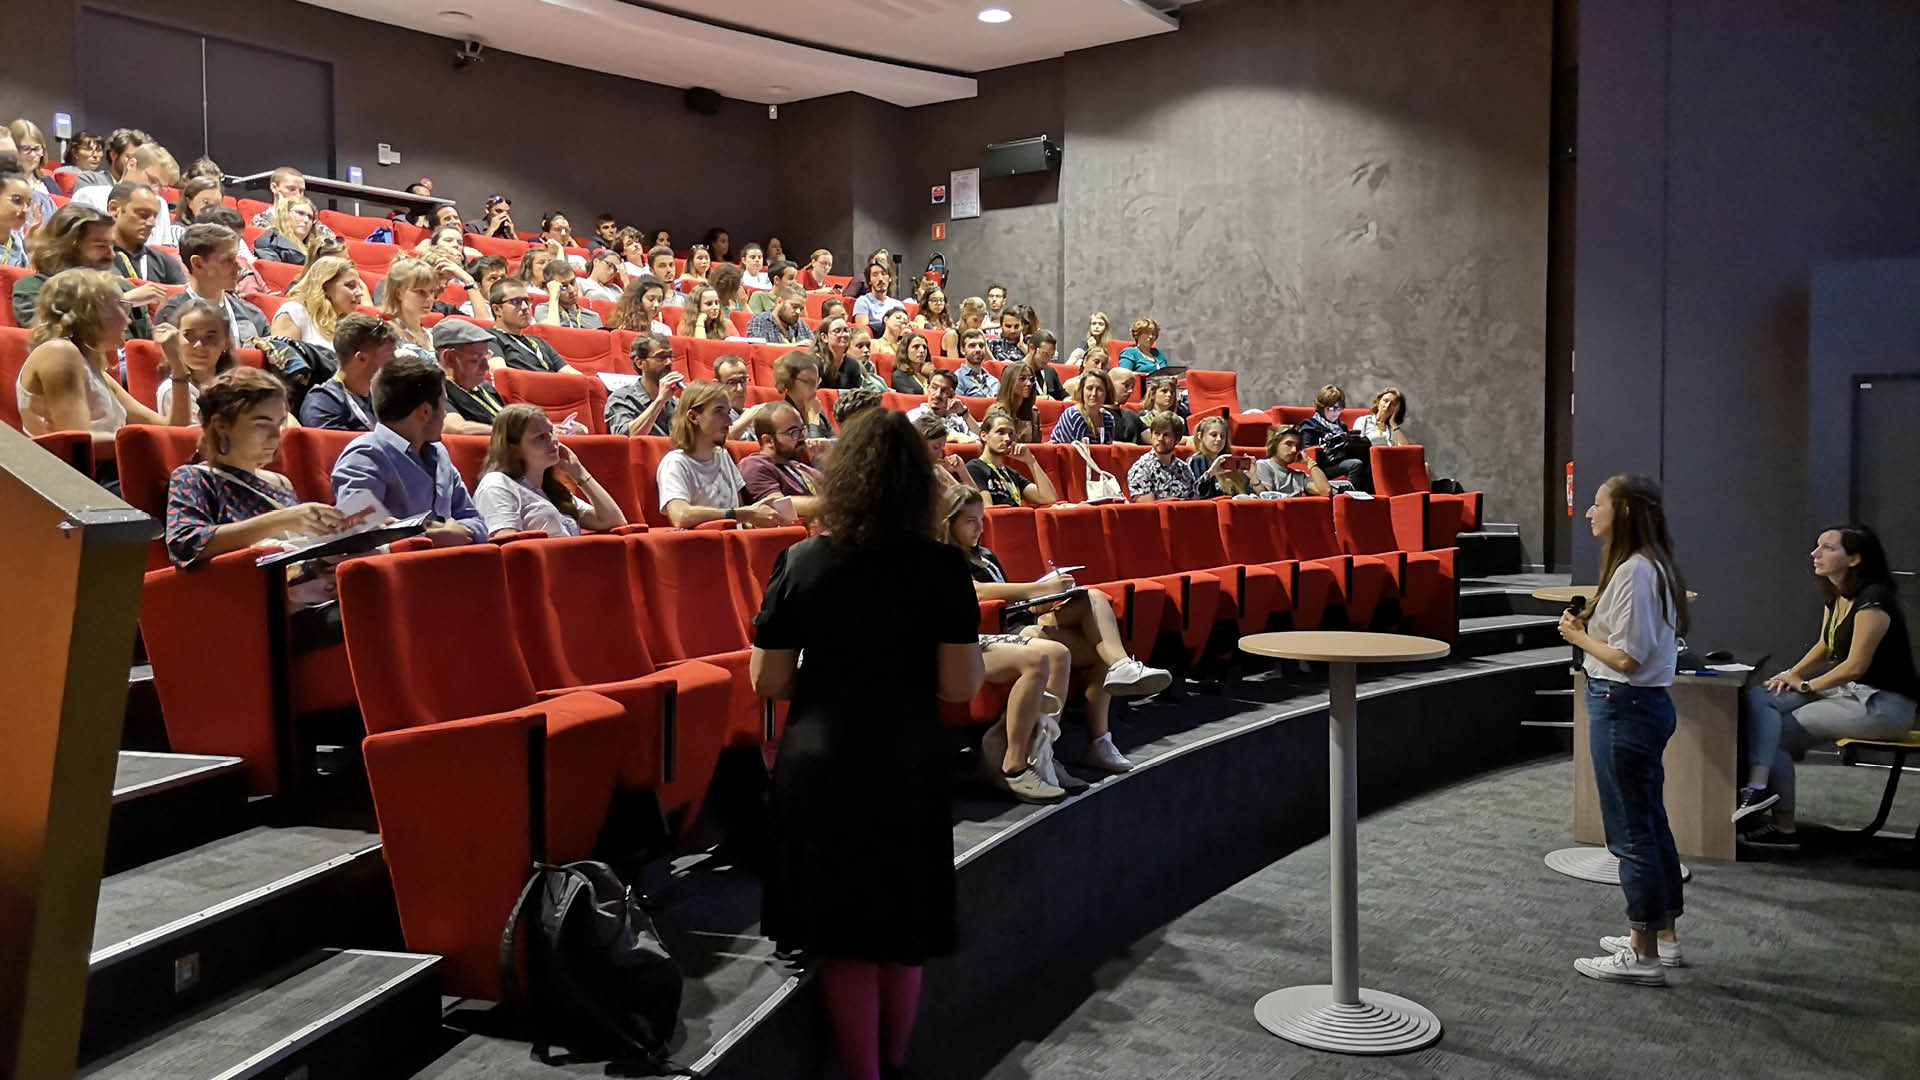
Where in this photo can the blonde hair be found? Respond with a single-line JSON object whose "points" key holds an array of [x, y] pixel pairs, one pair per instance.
{"points": [[152, 155], [406, 273], [311, 290], [1106, 331], [691, 324], [1233, 481], [283, 224], [26, 131], [971, 307], [694, 400], [72, 306]]}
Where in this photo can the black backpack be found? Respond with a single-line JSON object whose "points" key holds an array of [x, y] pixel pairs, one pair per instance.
{"points": [[600, 982]]}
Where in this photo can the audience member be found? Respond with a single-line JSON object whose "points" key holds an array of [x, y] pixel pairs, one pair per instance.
{"points": [[212, 257], [207, 353], [557, 231], [858, 369], [785, 323], [813, 277], [135, 209], [1042, 350], [639, 306], [872, 306], [411, 286], [120, 146], [448, 241], [16, 204], [291, 238], [512, 346], [780, 275], [776, 251], [645, 406], [606, 230], [660, 238], [797, 376], [85, 151], [831, 307], [894, 329], [698, 480], [286, 182], [699, 265], [974, 378], [933, 313], [521, 489], [328, 289], [703, 318], [861, 878], [76, 336], [635, 259], [1217, 469], [1119, 380], [996, 302], [464, 350], [660, 264], [533, 265], [364, 345], [862, 283], [719, 244], [727, 285], [401, 464], [1381, 426], [994, 473], [973, 316], [1287, 470], [1160, 476], [1007, 346], [948, 469], [1325, 424], [563, 307], [913, 367], [848, 405], [602, 280], [1089, 420], [753, 268], [198, 194], [496, 219], [782, 467], [1857, 681], [228, 500], [944, 406], [733, 375], [1162, 396], [1019, 401], [80, 237], [149, 164], [1143, 356], [829, 349]]}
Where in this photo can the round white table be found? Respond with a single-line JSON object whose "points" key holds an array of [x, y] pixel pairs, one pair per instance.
{"points": [[1595, 864], [1344, 1016]]}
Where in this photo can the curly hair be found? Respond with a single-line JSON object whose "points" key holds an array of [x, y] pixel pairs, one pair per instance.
{"points": [[56, 247], [878, 486], [628, 314], [311, 290], [230, 394], [73, 304]]}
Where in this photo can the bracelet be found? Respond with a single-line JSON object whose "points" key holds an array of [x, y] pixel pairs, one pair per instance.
{"points": [[730, 514], [177, 378]]}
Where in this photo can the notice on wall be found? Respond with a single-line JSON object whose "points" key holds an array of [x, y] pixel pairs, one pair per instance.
{"points": [[966, 194], [939, 231], [939, 194]]}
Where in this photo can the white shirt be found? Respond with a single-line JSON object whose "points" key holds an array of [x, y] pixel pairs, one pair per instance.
{"points": [[163, 399], [1635, 616], [593, 290], [756, 281], [508, 503], [96, 197], [957, 430], [715, 483], [1370, 427], [309, 333]]}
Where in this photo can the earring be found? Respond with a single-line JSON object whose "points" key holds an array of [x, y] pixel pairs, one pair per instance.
{"points": [[225, 445]]}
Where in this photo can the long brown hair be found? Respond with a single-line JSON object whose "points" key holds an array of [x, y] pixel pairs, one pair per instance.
{"points": [[1024, 414], [958, 498], [503, 455], [878, 486], [1640, 528]]}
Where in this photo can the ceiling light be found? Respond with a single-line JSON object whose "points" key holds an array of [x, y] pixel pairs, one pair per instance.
{"points": [[994, 15], [456, 16], [776, 88]]}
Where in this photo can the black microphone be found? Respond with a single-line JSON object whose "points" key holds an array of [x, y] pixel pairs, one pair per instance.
{"points": [[1574, 608]]}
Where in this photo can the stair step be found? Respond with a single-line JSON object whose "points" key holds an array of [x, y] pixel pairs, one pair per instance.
{"points": [[332, 1012], [1483, 634], [1485, 553], [142, 727], [180, 930], [165, 803]]}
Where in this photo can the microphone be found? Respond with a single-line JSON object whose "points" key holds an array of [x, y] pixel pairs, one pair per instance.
{"points": [[1574, 608]]}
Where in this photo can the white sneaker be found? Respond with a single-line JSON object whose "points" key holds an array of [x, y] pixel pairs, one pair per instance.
{"points": [[1669, 950], [1625, 966], [1027, 786], [1103, 755], [1131, 678]]}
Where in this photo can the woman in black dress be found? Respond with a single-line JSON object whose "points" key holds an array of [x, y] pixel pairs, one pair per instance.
{"points": [[862, 874]]}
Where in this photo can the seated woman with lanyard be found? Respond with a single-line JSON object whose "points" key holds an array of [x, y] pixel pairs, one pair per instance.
{"points": [[1857, 681], [1084, 624], [520, 489], [993, 470], [1089, 420]]}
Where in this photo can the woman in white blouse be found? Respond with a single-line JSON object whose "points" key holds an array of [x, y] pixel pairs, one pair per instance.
{"points": [[1629, 634], [326, 291], [1381, 427], [520, 489]]}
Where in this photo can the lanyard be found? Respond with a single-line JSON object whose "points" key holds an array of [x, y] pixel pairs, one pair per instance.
{"points": [[799, 476], [127, 261], [1003, 479], [575, 320], [352, 399]]}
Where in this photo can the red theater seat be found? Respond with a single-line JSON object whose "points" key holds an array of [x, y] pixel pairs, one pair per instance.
{"points": [[353, 227], [147, 456], [1209, 391], [644, 455], [683, 585], [279, 276], [559, 394], [10, 276], [309, 454], [1256, 592], [607, 460], [1363, 579], [1196, 599], [1425, 580], [591, 351], [1402, 470], [1253, 534], [1077, 536]]}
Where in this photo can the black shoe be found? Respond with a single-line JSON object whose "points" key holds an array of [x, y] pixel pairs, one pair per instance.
{"points": [[1771, 836], [1753, 800]]}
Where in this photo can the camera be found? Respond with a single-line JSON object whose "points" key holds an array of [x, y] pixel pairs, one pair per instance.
{"points": [[469, 53]]}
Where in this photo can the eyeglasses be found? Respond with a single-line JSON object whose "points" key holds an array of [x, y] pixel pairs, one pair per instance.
{"points": [[739, 380], [795, 432], [30, 148], [517, 301]]}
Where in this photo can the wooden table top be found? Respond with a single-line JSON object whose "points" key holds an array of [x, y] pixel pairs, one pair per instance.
{"points": [[1343, 646]]}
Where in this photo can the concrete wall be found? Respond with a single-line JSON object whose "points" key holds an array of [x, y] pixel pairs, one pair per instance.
{"points": [[1724, 152]]}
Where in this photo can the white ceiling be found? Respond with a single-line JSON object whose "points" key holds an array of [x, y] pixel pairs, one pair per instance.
{"points": [[661, 46]]}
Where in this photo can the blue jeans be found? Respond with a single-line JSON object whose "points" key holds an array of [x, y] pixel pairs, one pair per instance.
{"points": [[1628, 728], [1787, 723]]}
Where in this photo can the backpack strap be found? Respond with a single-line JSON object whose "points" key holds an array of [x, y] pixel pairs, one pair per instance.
{"points": [[510, 989]]}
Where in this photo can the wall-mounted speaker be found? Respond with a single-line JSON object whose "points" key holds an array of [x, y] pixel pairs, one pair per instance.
{"points": [[1037, 154], [702, 101]]}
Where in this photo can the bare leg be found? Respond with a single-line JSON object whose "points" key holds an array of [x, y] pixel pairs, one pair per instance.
{"points": [[1083, 655], [1027, 669], [1093, 616]]}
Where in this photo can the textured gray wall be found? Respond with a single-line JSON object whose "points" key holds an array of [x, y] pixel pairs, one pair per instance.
{"points": [[1724, 153]]}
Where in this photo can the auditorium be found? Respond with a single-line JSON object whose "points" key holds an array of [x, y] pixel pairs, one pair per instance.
{"points": [[959, 539]]}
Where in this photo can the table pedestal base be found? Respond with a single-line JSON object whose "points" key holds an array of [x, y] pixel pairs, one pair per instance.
{"points": [[1595, 864], [1381, 1023]]}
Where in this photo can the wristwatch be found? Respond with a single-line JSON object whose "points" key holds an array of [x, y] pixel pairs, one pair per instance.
{"points": [[1806, 687]]}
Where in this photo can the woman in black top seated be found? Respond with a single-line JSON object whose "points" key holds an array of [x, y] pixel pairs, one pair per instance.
{"points": [[1085, 625], [1857, 681]]}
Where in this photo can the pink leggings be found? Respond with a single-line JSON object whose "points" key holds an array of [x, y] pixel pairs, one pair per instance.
{"points": [[871, 1007]]}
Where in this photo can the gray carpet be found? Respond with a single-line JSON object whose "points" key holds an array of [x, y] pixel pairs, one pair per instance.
{"points": [[1798, 968]]}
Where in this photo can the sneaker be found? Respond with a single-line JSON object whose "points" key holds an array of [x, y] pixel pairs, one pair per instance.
{"points": [[1065, 780], [1626, 966], [1103, 755], [1753, 800], [1771, 836], [1669, 950], [1027, 786], [1131, 678]]}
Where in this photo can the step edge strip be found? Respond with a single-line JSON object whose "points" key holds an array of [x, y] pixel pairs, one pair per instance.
{"points": [[747, 1023], [179, 779], [305, 1036]]}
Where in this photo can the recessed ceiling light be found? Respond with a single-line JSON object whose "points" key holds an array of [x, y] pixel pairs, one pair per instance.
{"points": [[776, 88], [994, 15], [456, 16]]}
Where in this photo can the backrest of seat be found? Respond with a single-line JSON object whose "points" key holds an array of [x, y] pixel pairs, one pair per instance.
{"points": [[606, 460], [1250, 429], [751, 555], [505, 247], [1363, 526], [681, 581], [760, 361], [702, 354], [740, 319], [147, 456], [1012, 533], [1049, 412], [1139, 539], [1348, 417], [899, 402], [8, 276], [407, 234], [308, 454], [588, 350], [1210, 390], [559, 394], [1309, 527], [1059, 462], [1193, 534], [760, 395], [354, 227], [1249, 528], [1291, 414], [644, 453], [278, 275], [1117, 458], [251, 208], [1400, 470], [401, 674], [1077, 536], [375, 257], [572, 611], [13, 357], [468, 453]]}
